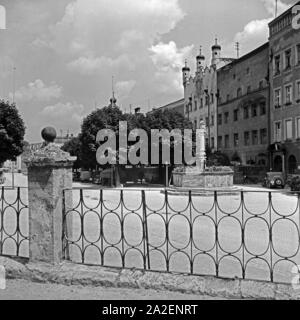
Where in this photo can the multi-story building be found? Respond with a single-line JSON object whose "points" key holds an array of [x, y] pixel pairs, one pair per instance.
{"points": [[200, 93], [243, 108], [285, 93], [251, 105]]}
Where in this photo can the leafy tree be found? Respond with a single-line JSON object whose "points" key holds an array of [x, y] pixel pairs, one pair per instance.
{"points": [[105, 118], [109, 118], [74, 148], [169, 120], [12, 131]]}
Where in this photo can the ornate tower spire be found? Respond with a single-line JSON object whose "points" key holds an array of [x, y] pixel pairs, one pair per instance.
{"points": [[185, 73], [216, 52], [199, 59], [113, 100]]}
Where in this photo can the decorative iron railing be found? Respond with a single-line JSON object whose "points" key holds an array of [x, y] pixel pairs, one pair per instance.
{"points": [[14, 240], [249, 235]]}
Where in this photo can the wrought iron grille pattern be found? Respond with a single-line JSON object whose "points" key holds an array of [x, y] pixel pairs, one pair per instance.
{"points": [[249, 235], [14, 240]]}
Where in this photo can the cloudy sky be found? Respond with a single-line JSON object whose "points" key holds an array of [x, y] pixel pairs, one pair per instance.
{"points": [[65, 52]]}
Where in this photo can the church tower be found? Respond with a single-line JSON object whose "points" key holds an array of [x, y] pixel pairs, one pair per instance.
{"points": [[216, 53], [185, 74], [199, 60]]}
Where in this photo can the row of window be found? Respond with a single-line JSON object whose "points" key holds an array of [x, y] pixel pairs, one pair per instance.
{"points": [[253, 137], [282, 62], [288, 95], [286, 60], [252, 110], [193, 103], [208, 122], [283, 130], [247, 73], [240, 93], [209, 99]]}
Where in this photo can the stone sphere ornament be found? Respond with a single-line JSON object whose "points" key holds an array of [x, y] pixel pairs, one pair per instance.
{"points": [[49, 134]]}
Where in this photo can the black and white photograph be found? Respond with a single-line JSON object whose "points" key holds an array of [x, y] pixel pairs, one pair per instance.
{"points": [[149, 153]]}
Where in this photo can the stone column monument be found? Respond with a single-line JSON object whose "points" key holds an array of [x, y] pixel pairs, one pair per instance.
{"points": [[49, 173], [200, 148], [200, 176]]}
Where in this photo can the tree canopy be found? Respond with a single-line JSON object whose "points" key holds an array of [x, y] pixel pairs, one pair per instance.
{"points": [[105, 118], [74, 147], [109, 118], [12, 131]]}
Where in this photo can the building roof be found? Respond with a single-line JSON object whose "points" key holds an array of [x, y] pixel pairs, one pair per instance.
{"points": [[173, 104], [177, 102], [283, 14], [246, 56]]}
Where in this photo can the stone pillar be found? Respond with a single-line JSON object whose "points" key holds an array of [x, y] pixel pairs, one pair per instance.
{"points": [[200, 147], [49, 173]]}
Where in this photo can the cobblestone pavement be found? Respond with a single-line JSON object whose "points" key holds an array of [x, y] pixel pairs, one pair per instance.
{"points": [[25, 290]]}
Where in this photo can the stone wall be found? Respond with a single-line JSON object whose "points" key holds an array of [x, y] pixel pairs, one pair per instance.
{"points": [[203, 180], [73, 274]]}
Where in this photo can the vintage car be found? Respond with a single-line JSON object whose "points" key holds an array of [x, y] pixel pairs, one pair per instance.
{"points": [[274, 180]]}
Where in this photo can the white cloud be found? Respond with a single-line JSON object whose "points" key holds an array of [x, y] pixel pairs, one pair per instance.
{"points": [[93, 65], [40, 43], [64, 111], [37, 90], [168, 61], [256, 32], [124, 88], [270, 6], [134, 25], [130, 37]]}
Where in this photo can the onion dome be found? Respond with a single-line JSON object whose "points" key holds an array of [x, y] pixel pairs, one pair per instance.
{"points": [[200, 56], [216, 46], [186, 68]]}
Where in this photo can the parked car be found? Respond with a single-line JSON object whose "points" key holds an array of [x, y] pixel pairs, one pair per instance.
{"points": [[274, 180]]}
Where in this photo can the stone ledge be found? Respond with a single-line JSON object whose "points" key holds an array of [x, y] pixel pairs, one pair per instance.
{"points": [[203, 192], [68, 273]]}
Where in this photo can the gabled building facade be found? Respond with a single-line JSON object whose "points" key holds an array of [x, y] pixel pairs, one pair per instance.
{"points": [[285, 93], [243, 108], [201, 94]]}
